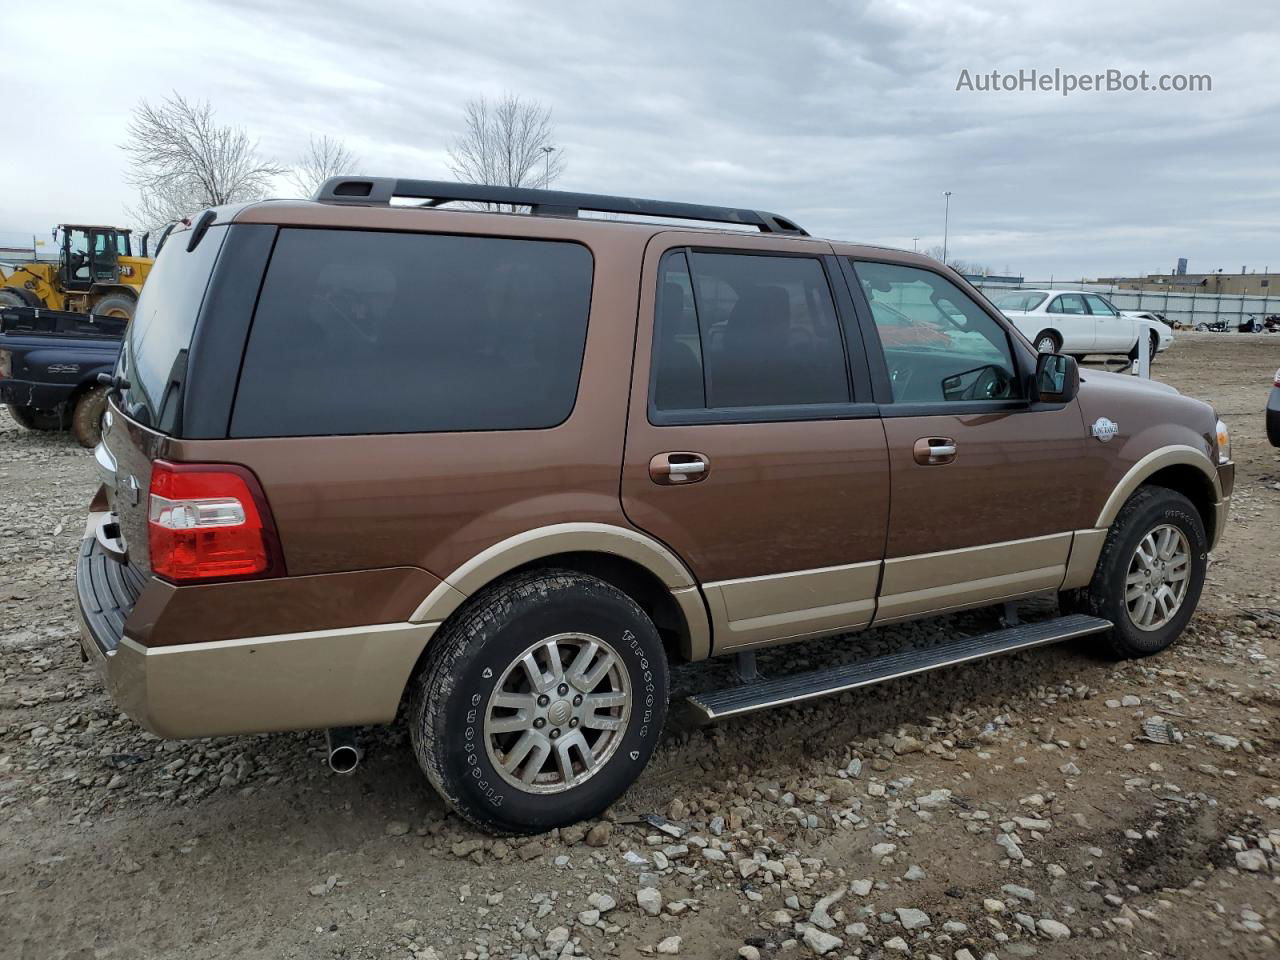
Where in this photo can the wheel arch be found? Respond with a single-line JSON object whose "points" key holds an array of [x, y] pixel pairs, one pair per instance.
{"points": [[1181, 468], [1049, 332], [640, 566]]}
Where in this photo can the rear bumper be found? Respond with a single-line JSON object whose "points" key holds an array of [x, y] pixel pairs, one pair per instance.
{"points": [[301, 681]]}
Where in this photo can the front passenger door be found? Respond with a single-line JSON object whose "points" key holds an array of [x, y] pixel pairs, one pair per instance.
{"points": [[985, 487]]}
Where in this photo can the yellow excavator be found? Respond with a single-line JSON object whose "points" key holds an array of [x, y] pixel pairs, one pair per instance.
{"points": [[96, 272]]}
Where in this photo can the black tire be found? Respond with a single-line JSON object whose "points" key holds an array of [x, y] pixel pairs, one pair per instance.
{"points": [[1047, 338], [116, 305], [86, 416], [1148, 509], [450, 697], [18, 297], [1202, 327], [1154, 342], [36, 419]]}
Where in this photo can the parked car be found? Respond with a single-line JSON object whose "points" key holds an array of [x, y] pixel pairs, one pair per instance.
{"points": [[49, 366], [1273, 412], [496, 472], [1081, 324]]}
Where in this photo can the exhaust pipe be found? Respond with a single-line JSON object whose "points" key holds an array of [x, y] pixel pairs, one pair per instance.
{"points": [[344, 749]]}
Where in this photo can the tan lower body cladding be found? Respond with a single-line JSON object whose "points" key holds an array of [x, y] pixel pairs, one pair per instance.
{"points": [[757, 611]]}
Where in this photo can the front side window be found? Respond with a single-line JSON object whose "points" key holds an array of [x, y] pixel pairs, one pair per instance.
{"points": [[1100, 307], [938, 344], [737, 330], [1067, 303], [361, 332]]}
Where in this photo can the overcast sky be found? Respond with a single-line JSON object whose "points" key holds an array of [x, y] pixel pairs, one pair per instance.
{"points": [[842, 115]]}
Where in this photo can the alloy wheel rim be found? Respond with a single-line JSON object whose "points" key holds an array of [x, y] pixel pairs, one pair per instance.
{"points": [[558, 713], [1047, 345], [1159, 573]]}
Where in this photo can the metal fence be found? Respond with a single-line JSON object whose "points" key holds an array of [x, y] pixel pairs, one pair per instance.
{"points": [[1187, 309]]}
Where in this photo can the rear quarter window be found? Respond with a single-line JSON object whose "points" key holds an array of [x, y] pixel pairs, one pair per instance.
{"points": [[153, 357], [360, 332]]}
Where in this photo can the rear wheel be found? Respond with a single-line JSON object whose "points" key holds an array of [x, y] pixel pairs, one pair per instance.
{"points": [[541, 703], [35, 419], [1047, 341], [115, 305], [86, 416], [1151, 571]]}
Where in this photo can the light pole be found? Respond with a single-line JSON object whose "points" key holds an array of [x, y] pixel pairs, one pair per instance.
{"points": [[915, 244], [546, 176], [946, 224]]}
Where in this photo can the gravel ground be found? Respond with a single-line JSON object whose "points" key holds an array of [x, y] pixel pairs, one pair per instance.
{"points": [[1046, 804]]}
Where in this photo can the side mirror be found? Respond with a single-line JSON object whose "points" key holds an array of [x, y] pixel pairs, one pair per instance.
{"points": [[1057, 378]]}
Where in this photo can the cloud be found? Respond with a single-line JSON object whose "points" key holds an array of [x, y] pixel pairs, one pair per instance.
{"points": [[843, 115]]}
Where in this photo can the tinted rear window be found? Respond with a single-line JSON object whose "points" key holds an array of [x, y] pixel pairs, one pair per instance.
{"points": [[361, 332], [153, 358]]}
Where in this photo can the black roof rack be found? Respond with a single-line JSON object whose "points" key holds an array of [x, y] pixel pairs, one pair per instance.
{"points": [[364, 191]]}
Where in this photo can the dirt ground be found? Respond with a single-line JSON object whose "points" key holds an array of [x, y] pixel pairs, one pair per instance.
{"points": [[1023, 807]]}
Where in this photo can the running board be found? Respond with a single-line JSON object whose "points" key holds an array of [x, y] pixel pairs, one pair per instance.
{"points": [[798, 687]]}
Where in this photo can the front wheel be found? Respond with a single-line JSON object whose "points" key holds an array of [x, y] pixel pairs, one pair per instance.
{"points": [[1150, 573], [541, 703]]}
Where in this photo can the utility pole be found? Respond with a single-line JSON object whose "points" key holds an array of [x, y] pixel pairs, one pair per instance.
{"points": [[946, 224], [546, 176]]}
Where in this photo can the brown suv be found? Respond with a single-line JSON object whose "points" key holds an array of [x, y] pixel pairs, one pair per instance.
{"points": [[502, 467]]}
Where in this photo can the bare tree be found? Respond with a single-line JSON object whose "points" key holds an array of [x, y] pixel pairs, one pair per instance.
{"points": [[966, 267], [507, 144], [325, 157], [182, 160]]}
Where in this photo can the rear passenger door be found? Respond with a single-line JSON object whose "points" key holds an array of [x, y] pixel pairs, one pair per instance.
{"points": [[753, 449], [1071, 318]]}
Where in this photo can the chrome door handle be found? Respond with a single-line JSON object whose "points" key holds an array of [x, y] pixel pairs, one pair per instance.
{"points": [[933, 451], [676, 468]]}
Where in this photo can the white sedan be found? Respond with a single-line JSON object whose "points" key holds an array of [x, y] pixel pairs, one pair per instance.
{"points": [[1079, 323]]}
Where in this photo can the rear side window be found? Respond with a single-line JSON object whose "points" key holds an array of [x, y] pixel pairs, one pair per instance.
{"points": [[359, 332], [154, 355], [737, 330]]}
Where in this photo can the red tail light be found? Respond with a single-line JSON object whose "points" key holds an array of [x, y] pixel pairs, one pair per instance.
{"points": [[209, 521], [1277, 379]]}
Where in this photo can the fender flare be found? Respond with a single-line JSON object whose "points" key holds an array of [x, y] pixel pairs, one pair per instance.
{"points": [[580, 537], [1156, 460]]}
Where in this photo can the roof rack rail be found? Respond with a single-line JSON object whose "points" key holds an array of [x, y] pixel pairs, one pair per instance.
{"points": [[367, 191]]}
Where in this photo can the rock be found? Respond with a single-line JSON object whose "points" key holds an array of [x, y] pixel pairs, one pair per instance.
{"points": [[396, 828], [1022, 893], [897, 944], [1224, 741], [1053, 929], [860, 888], [589, 918], [1069, 769], [670, 946], [914, 872], [1255, 861], [912, 919], [821, 942], [881, 850], [820, 915], [934, 798], [599, 834], [1129, 700], [602, 902], [963, 954], [993, 906], [747, 866], [464, 848], [748, 952], [406, 927], [130, 866], [650, 901], [904, 745], [557, 937]]}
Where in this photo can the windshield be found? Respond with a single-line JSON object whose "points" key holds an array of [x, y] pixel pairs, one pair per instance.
{"points": [[1022, 300]]}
